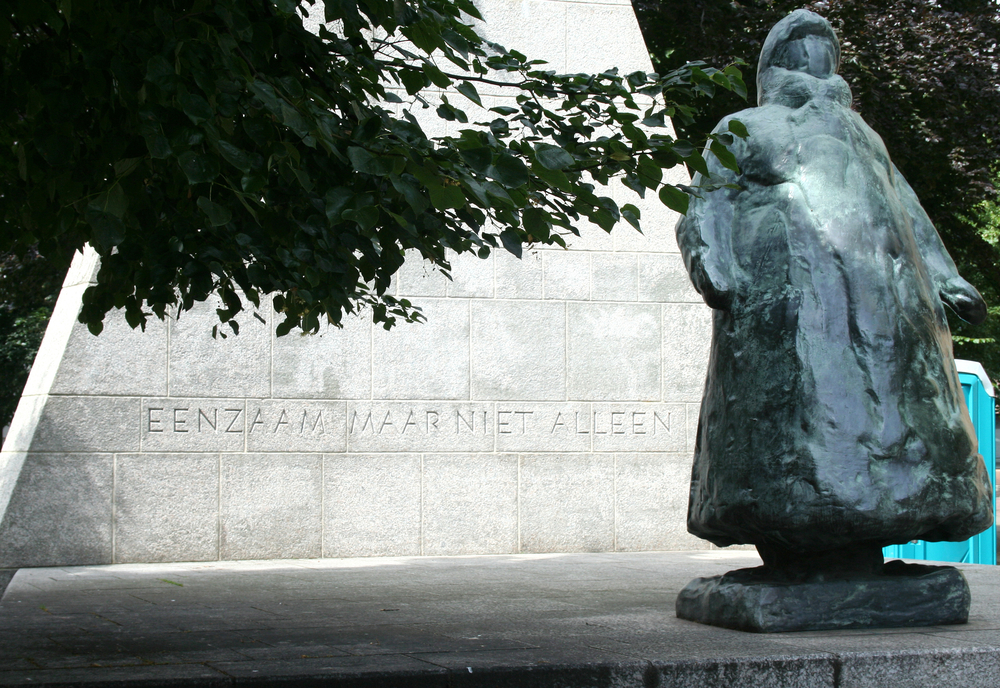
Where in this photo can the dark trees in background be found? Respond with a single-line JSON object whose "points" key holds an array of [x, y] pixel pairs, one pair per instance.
{"points": [[29, 285], [925, 75]]}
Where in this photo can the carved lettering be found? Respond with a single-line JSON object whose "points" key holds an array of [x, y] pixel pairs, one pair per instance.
{"points": [[578, 430], [408, 423], [429, 423], [385, 422], [282, 420], [318, 423], [523, 414], [637, 423], [180, 422], [151, 420], [502, 424], [211, 422], [369, 423], [257, 420], [236, 416], [664, 423], [617, 419], [558, 423], [596, 431], [469, 422]]}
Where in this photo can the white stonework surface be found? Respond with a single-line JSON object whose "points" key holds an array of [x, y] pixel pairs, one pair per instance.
{"points": [[548, 404]]}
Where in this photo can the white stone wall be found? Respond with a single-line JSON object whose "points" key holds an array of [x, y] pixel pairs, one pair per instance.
{"points": [[547, 404]]}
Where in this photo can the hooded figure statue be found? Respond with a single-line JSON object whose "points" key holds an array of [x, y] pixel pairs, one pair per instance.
{"points": [[832, 415]]}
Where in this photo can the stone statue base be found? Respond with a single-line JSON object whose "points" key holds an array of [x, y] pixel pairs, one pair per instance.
{"points": [[762, 600]]}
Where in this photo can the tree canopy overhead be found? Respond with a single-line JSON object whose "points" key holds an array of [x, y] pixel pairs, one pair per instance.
{"points": [[217, 146]]}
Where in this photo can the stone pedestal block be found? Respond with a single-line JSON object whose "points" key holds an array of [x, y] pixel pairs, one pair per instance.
{"points": [[757, 600]]}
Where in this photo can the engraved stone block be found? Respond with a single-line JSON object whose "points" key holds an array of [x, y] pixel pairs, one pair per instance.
{"points": [[469, 504], [595, 51], [664, 279], [291, 425], [503, 332], [418, 277], [614, 277], [419, 426], [239, 365], [196, 425], [613, 351], [166, 507], [271, 506], [567, 503], [538, 427], [536, 25], [639, 427], [471, 276], [518, 278], [686, 345], [592, 238], [87, 424], [408, 362], [60, 512], [121, 361], [334, 363], [651, 497], [372, 505], [567, 275]]}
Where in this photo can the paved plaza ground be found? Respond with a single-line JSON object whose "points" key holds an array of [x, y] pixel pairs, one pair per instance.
{"points": [[523, 620]]}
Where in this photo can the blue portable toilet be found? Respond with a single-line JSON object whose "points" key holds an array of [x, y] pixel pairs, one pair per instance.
{"points": [[982, 548]]}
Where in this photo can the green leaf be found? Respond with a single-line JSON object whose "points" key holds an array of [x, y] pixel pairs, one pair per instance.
{"points": [[682, 148], [108, 230], [650, 174], [218, 215], [738, 128], [511, 242], [725, 156], [366, 163], [446, 196], [366, 217], [509, 171], [477, 158], [469, 91], [557, 179], [236, 157], [413, 81], [436, 76], [674, 198], [552, 157], [195, 107], [631, 215], [536, 222], [198, 168]]}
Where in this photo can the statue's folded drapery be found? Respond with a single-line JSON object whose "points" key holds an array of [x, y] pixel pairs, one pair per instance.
{"points": [[832, 411]]}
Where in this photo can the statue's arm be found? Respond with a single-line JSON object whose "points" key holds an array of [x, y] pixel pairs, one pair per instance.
{"points": [[954, 290], [704, 236]]}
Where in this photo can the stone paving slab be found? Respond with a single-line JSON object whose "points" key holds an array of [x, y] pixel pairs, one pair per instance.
{"points": [[519, 620]]}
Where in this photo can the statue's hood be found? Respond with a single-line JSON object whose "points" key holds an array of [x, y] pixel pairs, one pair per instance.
{"points": [[797, 25]]}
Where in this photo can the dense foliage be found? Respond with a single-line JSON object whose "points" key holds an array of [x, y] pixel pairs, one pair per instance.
{"points": [[29, 286], [925, 75], [217, 146]]}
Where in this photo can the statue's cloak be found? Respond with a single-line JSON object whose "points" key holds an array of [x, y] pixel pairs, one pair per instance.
{"points": [[832, 411]]}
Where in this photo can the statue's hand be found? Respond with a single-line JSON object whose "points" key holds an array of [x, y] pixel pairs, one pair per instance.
{"points": [[964, 299], [711, 291]]}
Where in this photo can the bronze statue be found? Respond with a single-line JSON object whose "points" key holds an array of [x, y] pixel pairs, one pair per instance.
{"points": [[833, 421]]}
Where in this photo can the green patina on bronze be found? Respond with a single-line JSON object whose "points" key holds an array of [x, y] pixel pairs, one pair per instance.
{"points": [[833, 419]]}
